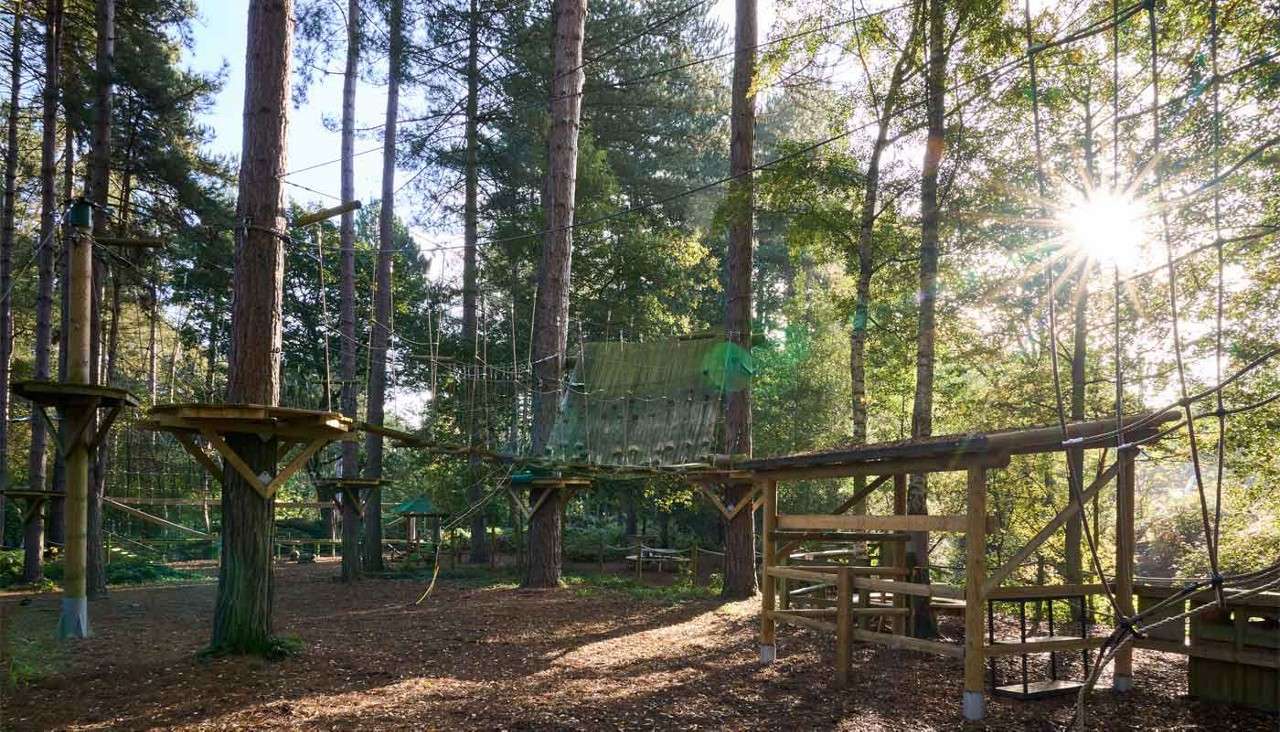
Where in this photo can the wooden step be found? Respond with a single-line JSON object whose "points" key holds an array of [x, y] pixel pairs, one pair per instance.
{"points": [[1039, 689]]}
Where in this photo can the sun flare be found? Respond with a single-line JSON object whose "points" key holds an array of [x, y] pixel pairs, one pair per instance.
{"points": [[1107, 227]]}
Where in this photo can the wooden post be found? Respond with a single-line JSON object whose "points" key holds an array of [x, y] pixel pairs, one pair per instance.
{"points": [[768, 627], [693, 562], [493, 546], [600, 554], [975, 575], [844, 629], [74, 621], [900, 622], [639, 558], [1123, 676]]}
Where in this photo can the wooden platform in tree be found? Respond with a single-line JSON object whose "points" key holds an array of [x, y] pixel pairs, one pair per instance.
{"points": [[33, 498], [79, 404], [61, 395], [311, 430], [329, 488]]}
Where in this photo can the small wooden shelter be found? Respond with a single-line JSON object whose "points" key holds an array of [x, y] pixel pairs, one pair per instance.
{"points": [[420, 507], [883, 592]]}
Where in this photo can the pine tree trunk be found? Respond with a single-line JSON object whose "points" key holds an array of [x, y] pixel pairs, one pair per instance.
{"points": [[33, 536], [56, 529], [347, 306], [479, 544], [96, 190], [242, 610], [922, 413], [6, 246], [551, 313], [739, 561], [380, 337]]}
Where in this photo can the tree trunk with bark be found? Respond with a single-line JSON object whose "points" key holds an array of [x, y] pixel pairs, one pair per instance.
{"points": [[97, 188], [33, 534], [242, 610], [479, 544], [922, 412], [55, 533], [551, 311], [6, 245], [380, 337], [740, 560], [865, 256], [347, 307]]}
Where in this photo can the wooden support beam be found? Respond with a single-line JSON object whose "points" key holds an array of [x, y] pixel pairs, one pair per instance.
{"points": [[817, 521], [867, 490], [884, 467], [189, 444], [804, 621], [844, 628], [1072, 508], [975, 577], [768, 626], [230, 457], [796, 574], [907, 643], [294, 465], [1123, 675], [1035, 592]]}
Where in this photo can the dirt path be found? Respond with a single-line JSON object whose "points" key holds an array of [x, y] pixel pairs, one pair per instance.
{"points": [[498, 657]]}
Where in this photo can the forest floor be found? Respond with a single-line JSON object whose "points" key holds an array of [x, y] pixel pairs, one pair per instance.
{"points": [[482, 654]]}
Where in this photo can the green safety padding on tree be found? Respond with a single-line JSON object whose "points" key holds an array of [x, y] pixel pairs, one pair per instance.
{"points": [[647, 404]]}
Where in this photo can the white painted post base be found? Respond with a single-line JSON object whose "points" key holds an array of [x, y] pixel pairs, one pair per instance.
{"points": [[768, 654], [74, 621], [1122, 683], [974, 706]]}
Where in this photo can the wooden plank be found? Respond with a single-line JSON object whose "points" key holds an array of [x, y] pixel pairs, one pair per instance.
{"points": [[1216, 652], [796, 574], [713, 499], [105, 426], [804, 621], [1047, 591], [818, 521], [907, 643], [1042, 646], [1072, 508], [918, 589], [975, 576]]}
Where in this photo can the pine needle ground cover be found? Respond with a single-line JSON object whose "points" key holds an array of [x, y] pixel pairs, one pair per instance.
{"points": [[484, 655]]}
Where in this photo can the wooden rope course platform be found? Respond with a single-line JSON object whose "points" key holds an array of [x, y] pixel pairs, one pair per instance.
{"points": [[34, 500], [350, 489], [309, 430], [79, 404], [568, 486]]}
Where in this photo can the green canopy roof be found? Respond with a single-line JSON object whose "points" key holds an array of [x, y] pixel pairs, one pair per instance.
{"points": [[419, 505], [647, 404]]}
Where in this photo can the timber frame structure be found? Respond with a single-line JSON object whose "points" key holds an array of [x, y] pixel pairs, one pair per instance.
{"points": [[307, 429], [881, 593]]}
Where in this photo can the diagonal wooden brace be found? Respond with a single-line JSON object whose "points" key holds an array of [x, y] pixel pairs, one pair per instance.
{"points": [[299, 459], [230, 457], [1071, 509], [189, 444], [104, 426]]}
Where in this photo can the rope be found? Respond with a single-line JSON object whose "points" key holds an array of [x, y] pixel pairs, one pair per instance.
{"points": [[1209, 535], [435, 572], [1073, 480]]}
